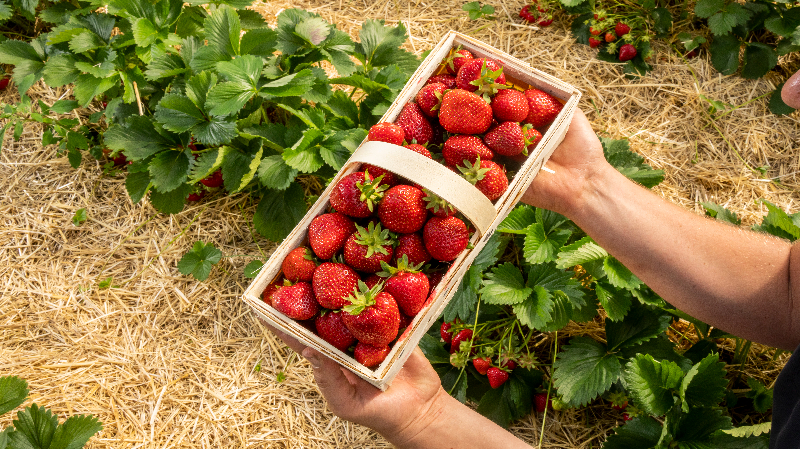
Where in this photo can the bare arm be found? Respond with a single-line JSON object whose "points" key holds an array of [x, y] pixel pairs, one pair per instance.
{"points": [[733, 279]]}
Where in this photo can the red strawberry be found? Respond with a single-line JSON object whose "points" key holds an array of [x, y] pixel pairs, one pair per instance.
{"points": [[367, 247], [403, 209], [438, 205], [331, 328], [508, 364], [386, 132], [497, 377], [299, 265], [462, 336], [620, 407], [266, 295], [621, 29], [482, 364], [4, 82], [373, 280], [328, 232], [457, 59], [459, 148], [445, 332], [506, 139], [448, 80], [430, 97], [486, 176], [610, 37], [510, 105], [296, 301], [370, 356], [407, 285], [482, 76], [414, 124], [542, 108], [389, 179], [417, 148], [526, 14], [372, 316], [532, 138], [194, 196], [333, 282], [412, 247], [213, 180], [542, 402], [626, 417], [545, 20], [595, 31], [594, 42], [463, 112], [434, 279], [445, 238], [627, 52], [356, 194]]}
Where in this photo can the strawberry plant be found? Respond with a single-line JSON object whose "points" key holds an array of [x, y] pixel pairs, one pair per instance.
{"points": [[37, 427]]}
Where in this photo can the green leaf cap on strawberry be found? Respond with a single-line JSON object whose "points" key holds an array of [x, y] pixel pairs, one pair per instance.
{"points": [[374, 238], [362, 298], [438, 205], [473, 172], [403, 266], [371, 190], [486, 82]]}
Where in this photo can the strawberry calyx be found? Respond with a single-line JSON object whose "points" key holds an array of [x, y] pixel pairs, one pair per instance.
{"points": [[371, 189], [473, 172], [374, 238], [486, 82], [403, 266], [436, 204], [362, 298]]}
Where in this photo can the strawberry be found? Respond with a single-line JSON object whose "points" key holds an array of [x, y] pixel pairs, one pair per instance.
{"points": [[526, 14], [483, 76], [506, 139], [445, 332], [296, 301], [372, 316], [331, 328], [213, 180], [532, 138], [610, 37], [626, 417], [4, 82], [328, 232], [434, 279], [486, 176], [627, 52], [386, 132], [482, 364], [367, 247], [458, 149], [595, 31], [542, 402], [594, 42], [333, 282], [622, 29], [542, 108], [405, 320], [462, 336], [194, 196], [508, 364], [445, 238], [430, 97], [497, 377], [355, 195], [414, 124], [438, 205], [448, 80], [463, 112], [546, 20], [457, 59], [407, 285], [389, 179], [266, 295], [372, 280], [411, 247], [510, 105], [370, 356], [417, 148], [403, 209], [299, 265]]}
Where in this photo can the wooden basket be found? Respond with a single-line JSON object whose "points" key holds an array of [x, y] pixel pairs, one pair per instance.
{"points": [[484, 215]]}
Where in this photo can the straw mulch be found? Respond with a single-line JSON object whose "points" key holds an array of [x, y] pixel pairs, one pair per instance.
{"points": [[166, 361]]}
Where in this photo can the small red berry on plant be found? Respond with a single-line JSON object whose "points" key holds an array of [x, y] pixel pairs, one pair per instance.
{"points": [[482, 364], [627, 52], [594, 31], [213, 180], [594, 42], [610, 37], [196, 196], [445, 332], [464, 335], [497, 377], [445, 238], [327, 233], [621, 29], [542, 402]]}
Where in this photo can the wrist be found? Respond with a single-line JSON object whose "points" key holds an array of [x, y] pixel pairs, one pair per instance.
{"points": [[415, 432]]}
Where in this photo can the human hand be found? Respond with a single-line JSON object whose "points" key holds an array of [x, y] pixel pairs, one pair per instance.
{"points": [[397, 413], [576, 162]]}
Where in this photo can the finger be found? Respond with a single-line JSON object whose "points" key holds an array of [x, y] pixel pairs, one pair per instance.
{"points": [[332, 382]]}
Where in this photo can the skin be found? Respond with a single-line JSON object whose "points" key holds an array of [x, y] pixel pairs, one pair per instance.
{"points": [[790, 93], [736, 280]]}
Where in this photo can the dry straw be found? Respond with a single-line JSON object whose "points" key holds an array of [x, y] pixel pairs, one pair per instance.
{"points": [[165, 361]]}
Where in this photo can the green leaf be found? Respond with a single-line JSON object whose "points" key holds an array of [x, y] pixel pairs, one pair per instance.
{"points": [[228, 98], [63, 106], [543, 247], [731, 16], [14, 52], [34, 428], [641, 324], [279, 212], [222, 30], [652, 383], [489, 253], [5, 11], [518, 220], [335, 150], [208, 162], [641, 432], [74, 156], [535, 310], [59, 71], [707, 8], [721, 213], [144, 32], [199, 261], [690, 41], [169, 170], [584, 370], [779, 223], [86, 41], [704, 384], [88, 86], [662, 21], [178, 113], [165, 66], [776, 104], [4, 437], [79, 217], [216, 131], [75, 432], [137, 184], [380, 45], [292, 85], [252, 269], [13, 392], [630, 164], [748, 431], [504, 285], [250, 172], [760, 395], [170, 202], [465, 299], [305, 154], [581, 252], [694, 429], [260, 42], [313, 30], [137, 137], [275, 174], [197, 87], [758, 59], [616, 302], [725, 54], [618, 275]]}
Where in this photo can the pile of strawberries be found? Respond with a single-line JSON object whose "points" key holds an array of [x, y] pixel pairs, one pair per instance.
{"points": [[537, 13], [616, 34], [374, 258]]}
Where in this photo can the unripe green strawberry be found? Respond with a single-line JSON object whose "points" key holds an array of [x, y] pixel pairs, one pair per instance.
{"points": [[299, 265], [403, 209], [370, 356], [463, 112], [458, 149], [542, 108], [445, 238], [331, 328], [372, 316], [333, 282], [327, 234], [296, 301]]}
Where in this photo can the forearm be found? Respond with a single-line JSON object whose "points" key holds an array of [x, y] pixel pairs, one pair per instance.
{"points": [[451, 424], [733, 279]]}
